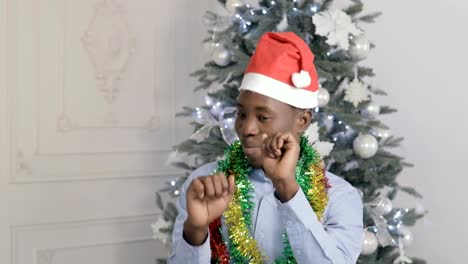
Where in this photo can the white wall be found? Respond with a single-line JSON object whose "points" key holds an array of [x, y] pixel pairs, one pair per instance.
{"points": [[78, 172], [420, 60]]}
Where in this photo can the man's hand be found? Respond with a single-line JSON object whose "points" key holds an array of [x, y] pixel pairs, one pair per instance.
{"points": [[280, 156], [207, 198]]}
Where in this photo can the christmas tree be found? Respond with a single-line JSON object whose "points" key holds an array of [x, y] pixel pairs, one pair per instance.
{"points": [[346, 130]]}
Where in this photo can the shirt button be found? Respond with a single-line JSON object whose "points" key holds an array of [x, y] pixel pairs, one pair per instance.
{"points": [[262, 234]]}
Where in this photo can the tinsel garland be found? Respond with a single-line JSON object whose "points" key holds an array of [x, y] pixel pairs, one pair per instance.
{"points": [[238, 216], [218, 248]]}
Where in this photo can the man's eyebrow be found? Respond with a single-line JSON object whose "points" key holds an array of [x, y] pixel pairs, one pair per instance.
{"points": [[257, 108], [263, 108]]}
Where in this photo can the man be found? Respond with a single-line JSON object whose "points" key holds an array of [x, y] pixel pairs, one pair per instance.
{"points": [[278, 211]]}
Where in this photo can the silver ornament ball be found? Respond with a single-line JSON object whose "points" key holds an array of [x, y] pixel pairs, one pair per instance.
{"points": [[372, 109], [221, 56], [365, 146], [323, 97], [359, 48], [383, 206], [369, 243]]}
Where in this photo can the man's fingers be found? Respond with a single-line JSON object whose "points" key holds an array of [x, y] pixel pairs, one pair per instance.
{"points": [[232, 185], [271, 149], [218, 186], [279, 142], [198, 188], [209, 187], [224, 182], [277, 145], [289, 141], [266, 147]]}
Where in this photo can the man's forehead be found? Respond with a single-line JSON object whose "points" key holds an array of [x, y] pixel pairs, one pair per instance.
{"points": [[249, 99], [256, 102]]}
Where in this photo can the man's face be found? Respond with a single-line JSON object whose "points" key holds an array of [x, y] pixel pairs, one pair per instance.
{"points": [[258, 114]]}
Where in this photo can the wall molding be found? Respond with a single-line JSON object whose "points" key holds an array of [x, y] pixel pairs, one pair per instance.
{"points": [[131, 175], [45, 255], [25, 153]]}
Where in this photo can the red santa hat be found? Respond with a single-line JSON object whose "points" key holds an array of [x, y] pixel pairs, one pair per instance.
{"points": [[282, 68]]}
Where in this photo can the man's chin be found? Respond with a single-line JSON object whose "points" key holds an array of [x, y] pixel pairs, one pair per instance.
{"points": [[253, 156]]}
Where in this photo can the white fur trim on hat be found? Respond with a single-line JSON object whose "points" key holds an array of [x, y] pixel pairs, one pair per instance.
{"points": [[280, 91]]}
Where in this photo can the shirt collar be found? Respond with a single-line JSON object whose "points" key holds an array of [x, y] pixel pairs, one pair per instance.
{"points": [[259, 175]]}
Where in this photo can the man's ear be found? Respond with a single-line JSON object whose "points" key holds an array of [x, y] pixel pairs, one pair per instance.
{"points": [[304, 120]]}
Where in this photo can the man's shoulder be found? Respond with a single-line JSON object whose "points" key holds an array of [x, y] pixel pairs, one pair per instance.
{"points": [[341, 193], [338, 183]]}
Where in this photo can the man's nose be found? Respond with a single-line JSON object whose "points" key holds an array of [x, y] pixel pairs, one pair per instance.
{"points": [[249, 127]]}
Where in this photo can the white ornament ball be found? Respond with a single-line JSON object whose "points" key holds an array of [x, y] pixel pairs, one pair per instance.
{"points": [[365, 146], [405, 235], [383, 207], [231, 5], [210, 46], [323, 97], [381, 133], [359, 48], [221, 56], [372, 109], [369, 243]]}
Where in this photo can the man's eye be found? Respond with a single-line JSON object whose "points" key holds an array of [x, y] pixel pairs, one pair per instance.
{"points": [[263, 118], [240, 115]]}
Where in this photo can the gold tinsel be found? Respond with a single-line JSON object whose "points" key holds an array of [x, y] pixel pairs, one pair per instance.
{"points": [[317, 194], [239, 233]]}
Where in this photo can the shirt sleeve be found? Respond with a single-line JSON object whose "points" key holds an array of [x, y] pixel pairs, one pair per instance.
{"points": [[183, 252], [338, 240]]}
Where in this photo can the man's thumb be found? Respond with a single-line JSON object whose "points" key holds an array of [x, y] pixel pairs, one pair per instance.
{"points": [[232, 185]]}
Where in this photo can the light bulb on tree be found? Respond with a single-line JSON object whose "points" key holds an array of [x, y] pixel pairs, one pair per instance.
{"points": [[381, 133], [371, 109]]}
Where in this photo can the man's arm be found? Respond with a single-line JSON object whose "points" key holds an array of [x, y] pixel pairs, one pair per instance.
{"points": [[338, 240], [182, 251]]}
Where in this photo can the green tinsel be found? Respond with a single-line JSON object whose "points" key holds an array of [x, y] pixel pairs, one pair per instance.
{"points": [[236, 163]]}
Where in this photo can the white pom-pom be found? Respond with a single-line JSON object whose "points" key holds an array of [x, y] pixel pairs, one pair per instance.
{"points": [[301, 79]]}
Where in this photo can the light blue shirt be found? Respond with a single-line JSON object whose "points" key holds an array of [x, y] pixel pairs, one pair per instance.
{"points": [[337, 239]]}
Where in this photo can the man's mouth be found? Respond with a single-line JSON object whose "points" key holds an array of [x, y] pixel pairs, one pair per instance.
{"points": [[251, 149]]}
